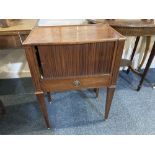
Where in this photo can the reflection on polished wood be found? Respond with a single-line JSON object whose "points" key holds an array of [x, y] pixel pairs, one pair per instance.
{"points": [[73, 58], [72, 34]]}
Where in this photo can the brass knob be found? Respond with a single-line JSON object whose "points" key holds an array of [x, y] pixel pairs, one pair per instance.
{"points": [[76, 83]]}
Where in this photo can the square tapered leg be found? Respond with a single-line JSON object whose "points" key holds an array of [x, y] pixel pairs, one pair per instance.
{"points": [[49, 97], [96, 91], [110, 94], [41, 100]]}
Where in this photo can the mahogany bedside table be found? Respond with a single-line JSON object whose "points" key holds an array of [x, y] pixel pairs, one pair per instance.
{"points": [[73, 57]]}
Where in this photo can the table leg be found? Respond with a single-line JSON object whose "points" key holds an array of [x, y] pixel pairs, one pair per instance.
{"points": [[2, 108], [96, 91], [110, 93], [41, 100], [148, 41], [152, 54], [134, 51], [49, 97]]}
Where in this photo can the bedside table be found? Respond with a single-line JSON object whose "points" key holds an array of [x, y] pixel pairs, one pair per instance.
{"points": [[73, 57]]}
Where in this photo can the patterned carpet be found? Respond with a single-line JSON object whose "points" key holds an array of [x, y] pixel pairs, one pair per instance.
{"points": [[79, 112]]}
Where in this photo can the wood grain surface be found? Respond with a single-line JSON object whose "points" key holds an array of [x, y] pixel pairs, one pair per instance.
{"points": [[72, 35]]}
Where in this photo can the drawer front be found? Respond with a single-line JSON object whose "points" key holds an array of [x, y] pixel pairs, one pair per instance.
{"points": [[75, 83]]}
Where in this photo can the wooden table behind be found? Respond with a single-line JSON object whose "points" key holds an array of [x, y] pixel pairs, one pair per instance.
{"points": [[10, 37]]}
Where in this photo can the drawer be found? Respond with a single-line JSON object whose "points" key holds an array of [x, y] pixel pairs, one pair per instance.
{"points": [[75, 83]]}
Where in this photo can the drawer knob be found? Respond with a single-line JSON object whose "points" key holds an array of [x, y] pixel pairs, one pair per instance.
{"points": [[76, 83]]}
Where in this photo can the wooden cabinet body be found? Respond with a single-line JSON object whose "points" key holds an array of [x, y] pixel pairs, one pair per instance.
{"points": [[74, 57]]}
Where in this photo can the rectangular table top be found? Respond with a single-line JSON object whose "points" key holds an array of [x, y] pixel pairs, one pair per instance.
{"points": [[72, 34]]}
